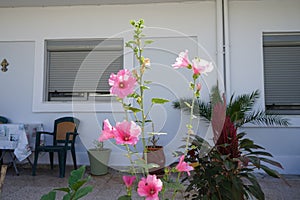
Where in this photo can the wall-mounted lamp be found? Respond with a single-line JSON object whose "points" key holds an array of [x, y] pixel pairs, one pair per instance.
{"points": [[4, 65]]}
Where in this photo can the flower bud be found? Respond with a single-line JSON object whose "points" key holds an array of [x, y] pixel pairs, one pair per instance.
{"points": [[199, 86]]}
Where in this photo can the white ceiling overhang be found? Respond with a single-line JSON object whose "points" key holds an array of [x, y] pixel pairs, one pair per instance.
{"points": [[42, 3]]}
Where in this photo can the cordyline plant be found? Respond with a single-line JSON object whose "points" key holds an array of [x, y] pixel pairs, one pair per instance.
{"points": [[131, 84], [226, 170]]}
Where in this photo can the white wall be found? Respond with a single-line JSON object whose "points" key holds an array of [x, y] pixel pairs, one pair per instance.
{"points": [[247, 21], [22, 86]]}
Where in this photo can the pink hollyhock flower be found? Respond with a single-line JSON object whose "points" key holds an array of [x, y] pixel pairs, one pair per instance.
{"points": [[150, 187], [201, 66], [127, 132], [183, 166], [107, 132], [182, 60], [128, 180], [122, 84]]}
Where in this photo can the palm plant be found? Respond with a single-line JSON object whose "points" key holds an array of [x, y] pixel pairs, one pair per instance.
{"points": [[240, 109], [226, 170]]}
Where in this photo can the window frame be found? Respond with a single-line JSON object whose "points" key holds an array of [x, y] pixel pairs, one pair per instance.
{"points": [[108, 48], [280, 44]]}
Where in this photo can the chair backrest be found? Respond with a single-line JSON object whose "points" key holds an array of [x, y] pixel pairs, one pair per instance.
{"points": [[62, 126], [3, 120]]}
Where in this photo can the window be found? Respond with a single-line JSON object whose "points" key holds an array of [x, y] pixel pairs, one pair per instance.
{"points": [[78, 70], [282, 72]]}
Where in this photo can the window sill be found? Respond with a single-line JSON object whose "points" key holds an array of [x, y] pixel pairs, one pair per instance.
{"points": [[110, 107]]}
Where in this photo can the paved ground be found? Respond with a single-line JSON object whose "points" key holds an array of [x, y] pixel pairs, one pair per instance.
{"points": [[110, 186]]}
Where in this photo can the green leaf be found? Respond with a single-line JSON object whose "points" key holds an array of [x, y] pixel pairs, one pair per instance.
{"points": [[255, 188], [50, 196], [67, 197], [76, 175], [125, 197], [147, 82], [67, 190], [187, 104], [262, 153], [148, 42], [254, 160], [192, 85], [134, 95], [272, 162], [152, 165], [143, 87], [78, 184], [270, 172], [228, 165], [135, 110], [159, 101], [83, 192]]}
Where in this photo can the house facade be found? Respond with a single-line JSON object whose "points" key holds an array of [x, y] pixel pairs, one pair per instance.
{"points": [[233, 34]]}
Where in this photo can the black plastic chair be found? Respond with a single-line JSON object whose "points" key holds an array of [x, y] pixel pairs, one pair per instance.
{"points": [[64, 135], [3, 120]]}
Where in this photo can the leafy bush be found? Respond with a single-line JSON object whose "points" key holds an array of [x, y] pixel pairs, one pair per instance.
{"points": [[226, 169], [75, 189]]}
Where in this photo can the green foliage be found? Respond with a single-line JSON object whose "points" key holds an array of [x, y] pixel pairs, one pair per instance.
{"points": [[125, 197], [240, 109], [75, 189], [221, 177], [218, 176], [159, 101], [98, 145]]}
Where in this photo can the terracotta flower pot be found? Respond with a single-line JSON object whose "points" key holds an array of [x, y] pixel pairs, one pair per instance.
{"points": [[156, 155]]}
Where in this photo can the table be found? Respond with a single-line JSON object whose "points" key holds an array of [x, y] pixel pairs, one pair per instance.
{"points": [[20, 139]]}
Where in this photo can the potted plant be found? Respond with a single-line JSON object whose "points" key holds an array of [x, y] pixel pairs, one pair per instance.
{"points": [[155, 153], [99, 158]]}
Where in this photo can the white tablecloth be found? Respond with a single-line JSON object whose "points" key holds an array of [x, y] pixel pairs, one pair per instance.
{"points": [[17, 137]]}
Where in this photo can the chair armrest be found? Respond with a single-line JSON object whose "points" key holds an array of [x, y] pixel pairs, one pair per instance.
{"points": [[68, 138], [38, 137]]}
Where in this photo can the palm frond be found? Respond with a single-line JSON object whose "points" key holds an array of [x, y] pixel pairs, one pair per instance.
{"points": [[240, 105], [239, 108], [261, 118]]}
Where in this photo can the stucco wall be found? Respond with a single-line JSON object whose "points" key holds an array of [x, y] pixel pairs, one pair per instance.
{"points": [[22, 42], [247, 21], [24, 81]]}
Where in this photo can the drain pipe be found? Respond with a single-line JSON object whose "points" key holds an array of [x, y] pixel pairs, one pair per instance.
{"points": [[223, 50]]}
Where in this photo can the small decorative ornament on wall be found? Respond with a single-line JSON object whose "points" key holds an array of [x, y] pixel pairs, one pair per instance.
{"points": [[4, 65]]}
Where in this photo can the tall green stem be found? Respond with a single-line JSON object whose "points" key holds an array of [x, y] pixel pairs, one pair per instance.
{"points": [[190, 126]]}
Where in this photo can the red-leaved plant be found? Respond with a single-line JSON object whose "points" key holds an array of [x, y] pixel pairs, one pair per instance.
{"points": [[226, 170]]}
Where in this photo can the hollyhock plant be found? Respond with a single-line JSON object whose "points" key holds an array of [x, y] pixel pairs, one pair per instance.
{"points": [[129, 180], [201, 66], [122, 84], [182, 60], [184, 166], [107, 132], [129, 133], [150, 187]]}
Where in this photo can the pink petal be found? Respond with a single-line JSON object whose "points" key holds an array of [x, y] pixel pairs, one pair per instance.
{"points": [[122, 84], [107, 132], [128, 180], [182, 60]]}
